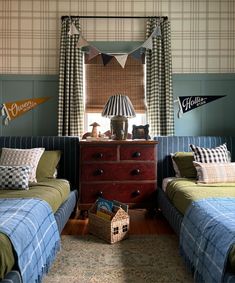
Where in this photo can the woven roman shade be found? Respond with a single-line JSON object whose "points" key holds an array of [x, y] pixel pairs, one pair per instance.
{"points": [[101, 82]]}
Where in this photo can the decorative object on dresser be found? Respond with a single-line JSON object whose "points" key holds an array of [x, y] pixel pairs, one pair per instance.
{"points": [[140, 132], [119, 108], [122, 170]]}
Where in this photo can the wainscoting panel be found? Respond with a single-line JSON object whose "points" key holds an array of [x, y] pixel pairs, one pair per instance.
{"points": [[215, 118], [41, 120]]}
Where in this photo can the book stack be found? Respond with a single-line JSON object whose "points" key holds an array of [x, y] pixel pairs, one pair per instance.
{"points": [[107, 209]]}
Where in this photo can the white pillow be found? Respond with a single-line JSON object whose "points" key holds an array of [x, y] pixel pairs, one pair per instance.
{"points": [[14, 177], [17, 157]]}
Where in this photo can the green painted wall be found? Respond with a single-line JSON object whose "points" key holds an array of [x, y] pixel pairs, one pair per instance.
{"points": [[215, 118], [41, 120]]}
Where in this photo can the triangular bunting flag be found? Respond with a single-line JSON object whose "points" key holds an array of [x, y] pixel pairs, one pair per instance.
{"points": [[188, 103], [73, 30], [92, 53], [148, 43], [121, 59], [137, 53], [82, 42], [15, 109], [106, 58], [157, 32]]}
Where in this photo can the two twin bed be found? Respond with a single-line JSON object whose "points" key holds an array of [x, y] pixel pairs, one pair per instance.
{"points": [[60, 193], [174, 201], [199, 212]]}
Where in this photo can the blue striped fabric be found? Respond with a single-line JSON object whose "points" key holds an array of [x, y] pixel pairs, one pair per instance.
{"points": [[68, 167], [171, 144], [31, 227]]}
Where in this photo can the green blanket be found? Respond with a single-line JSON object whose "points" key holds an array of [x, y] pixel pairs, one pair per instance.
{"points": [[182, 192], [53, 191]]}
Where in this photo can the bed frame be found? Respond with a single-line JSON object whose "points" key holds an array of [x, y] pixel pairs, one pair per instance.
{"points": [[68, 169], [168, 145]]}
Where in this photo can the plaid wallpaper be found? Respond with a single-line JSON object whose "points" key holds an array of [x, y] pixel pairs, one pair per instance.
{"points": [[203, 31]]}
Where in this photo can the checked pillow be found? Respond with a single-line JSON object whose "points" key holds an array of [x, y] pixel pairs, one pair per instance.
{"points": [[20, 157], [218, 154], [14, 177]]}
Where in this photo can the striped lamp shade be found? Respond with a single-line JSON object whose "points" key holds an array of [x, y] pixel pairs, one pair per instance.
{"points": [[118, 105]]}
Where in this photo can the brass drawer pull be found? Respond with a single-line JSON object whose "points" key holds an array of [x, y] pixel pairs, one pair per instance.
{"points": [[136, 172], [136, 154], [100, 194], [98, 155], [136, 193], [98, 172]]}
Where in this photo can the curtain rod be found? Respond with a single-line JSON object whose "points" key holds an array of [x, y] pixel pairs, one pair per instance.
{"points": [[114, 17]]}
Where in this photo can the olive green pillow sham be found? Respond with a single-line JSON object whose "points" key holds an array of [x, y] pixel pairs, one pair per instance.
{"points": [[47, 166], [183, 164]]}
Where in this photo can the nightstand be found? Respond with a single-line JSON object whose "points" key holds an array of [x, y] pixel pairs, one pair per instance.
{"points": [[123, 170]]}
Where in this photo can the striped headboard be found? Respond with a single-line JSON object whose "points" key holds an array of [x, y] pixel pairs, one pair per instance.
{"points": [[69, 146], [171, 144]]}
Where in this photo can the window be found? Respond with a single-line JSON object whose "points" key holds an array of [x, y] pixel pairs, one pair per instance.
{"points": [[103, 81]]}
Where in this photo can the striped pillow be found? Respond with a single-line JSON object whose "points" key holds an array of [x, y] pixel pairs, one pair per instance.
{"points": [[209, 173], [211, 155]]}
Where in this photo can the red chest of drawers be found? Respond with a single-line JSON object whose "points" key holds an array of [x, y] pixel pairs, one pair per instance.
{"points": [[118, 170]]}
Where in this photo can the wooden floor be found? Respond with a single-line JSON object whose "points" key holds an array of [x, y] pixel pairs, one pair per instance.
{"points": [[140, 223]]}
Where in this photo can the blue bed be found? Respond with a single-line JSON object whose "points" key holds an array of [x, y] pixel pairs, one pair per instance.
{"points": [[68, 168], [168, 145]]}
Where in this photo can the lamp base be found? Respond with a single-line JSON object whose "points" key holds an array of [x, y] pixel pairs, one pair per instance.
{"points": [[119, 127]]}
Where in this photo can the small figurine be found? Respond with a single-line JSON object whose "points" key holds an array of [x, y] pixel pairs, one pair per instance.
{"points": [[94, 132]]}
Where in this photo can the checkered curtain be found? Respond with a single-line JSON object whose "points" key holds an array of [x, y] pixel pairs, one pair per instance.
{"points": [[159, 93], [71, 106]]}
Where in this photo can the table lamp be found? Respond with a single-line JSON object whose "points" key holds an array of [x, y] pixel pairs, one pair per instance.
{"points": [[119, 108]]}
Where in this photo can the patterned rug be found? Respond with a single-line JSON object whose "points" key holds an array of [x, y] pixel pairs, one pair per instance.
{"points": [[139, 259]]}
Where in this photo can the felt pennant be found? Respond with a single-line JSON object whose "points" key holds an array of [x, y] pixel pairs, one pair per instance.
{"points": [[121, 59], [92, 53], [73, 30], [106, 58], [148, 43], [12, 110], [137, 53], [188, 103], [82, 42], [157, 32]]}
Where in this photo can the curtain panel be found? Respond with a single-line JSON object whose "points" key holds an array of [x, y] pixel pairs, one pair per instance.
{"points": [[159, 92], [70, 101]]}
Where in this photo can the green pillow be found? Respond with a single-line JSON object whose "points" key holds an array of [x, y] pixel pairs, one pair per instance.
{"points": [[48, 164], [184, 163]]}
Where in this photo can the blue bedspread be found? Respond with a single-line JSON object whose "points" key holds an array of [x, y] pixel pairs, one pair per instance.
{"points": [[207, 233], [32, 229]]}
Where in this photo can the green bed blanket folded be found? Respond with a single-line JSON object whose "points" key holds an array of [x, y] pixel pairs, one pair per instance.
{"points": [[53, 191]]}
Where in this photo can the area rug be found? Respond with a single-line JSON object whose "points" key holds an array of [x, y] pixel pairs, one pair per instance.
{"points": [[139, 259]]}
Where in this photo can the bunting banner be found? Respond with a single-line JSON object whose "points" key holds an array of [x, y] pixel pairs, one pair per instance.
{"points": [[12, 110], [188, 103], [92, 51], [121, 59]]}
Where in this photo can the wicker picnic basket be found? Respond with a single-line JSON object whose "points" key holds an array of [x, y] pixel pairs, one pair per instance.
{"points": [[113, 230]]}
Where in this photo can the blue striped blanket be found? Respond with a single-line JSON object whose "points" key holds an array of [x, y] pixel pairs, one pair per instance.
{"points": [[30, 225], [206, 236]]}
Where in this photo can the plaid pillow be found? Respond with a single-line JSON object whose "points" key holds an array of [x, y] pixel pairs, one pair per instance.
{"points": [[215, 172], [14, 177], [211, 155]]}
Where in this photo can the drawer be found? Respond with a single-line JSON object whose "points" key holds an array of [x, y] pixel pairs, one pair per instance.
{"points": [[127, 193], [118, 171], [99, 153], [137, 152]]}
